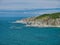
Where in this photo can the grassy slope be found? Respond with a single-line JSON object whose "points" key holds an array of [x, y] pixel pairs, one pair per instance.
{"points": [[53, 16]]}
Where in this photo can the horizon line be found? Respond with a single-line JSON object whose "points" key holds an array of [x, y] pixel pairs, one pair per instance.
{"points": [[32, 9]]}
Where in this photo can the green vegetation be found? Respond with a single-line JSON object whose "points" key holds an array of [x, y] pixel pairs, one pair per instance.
{"points": [[53, 16]]}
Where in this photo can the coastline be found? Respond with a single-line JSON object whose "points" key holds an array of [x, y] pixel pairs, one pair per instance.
{"points": [[45, 20], [35, 25], [41, 26]]}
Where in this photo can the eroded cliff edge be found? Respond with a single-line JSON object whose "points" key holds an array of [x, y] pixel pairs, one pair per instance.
{"points": [[45, 20]]}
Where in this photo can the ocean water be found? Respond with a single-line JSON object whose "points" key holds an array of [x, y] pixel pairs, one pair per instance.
{"points": [[19, 34]]}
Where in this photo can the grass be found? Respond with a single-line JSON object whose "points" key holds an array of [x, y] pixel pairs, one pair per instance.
{"points": [[53, 16]]}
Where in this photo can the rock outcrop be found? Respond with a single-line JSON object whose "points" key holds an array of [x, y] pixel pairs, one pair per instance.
{"points": [[44, 20]]}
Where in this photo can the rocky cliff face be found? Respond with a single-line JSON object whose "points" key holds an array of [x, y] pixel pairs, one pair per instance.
{"points": [[45, 19], [49, 21]]}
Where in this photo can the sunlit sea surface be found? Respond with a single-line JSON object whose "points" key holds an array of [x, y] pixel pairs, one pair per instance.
{"points": [[19, 34]]}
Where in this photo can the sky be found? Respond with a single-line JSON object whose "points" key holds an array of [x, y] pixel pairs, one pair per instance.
{"points": [[28, 4]]}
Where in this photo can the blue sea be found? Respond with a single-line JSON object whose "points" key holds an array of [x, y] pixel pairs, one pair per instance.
{"points": [[19, 34]]}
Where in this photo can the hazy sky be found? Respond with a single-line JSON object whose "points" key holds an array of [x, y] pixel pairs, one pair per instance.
{"points": [[28, 4]]}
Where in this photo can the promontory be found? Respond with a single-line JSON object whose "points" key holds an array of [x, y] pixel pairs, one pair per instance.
{"points": [[44, 20]]}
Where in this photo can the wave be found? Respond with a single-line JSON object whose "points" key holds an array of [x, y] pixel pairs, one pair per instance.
{"points": [[15, 27]]}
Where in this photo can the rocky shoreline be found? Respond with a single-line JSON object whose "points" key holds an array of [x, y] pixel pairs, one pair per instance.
{"points": [[38, 24], [45, 21]]}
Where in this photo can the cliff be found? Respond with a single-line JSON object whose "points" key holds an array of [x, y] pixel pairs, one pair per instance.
{"points": [[44, 20]]}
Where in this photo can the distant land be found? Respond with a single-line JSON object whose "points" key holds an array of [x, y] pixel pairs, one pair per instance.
{"points": [[45, 20], [29, 10]]}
